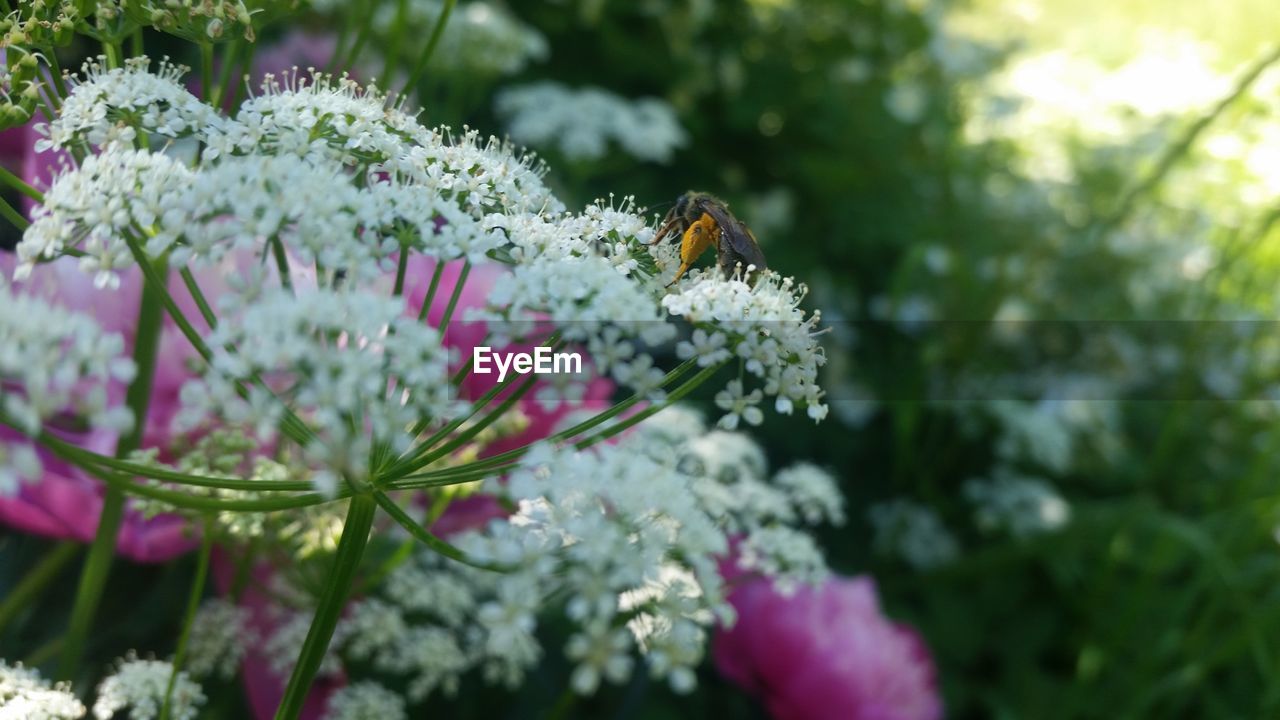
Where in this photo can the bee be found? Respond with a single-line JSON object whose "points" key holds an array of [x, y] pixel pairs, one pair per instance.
{"points": [[702, 220]]}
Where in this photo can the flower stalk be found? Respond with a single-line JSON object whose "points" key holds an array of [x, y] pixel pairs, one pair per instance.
{"points": [[355, 535], [98, 563]]}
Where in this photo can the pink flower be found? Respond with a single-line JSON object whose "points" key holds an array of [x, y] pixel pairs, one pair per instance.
{"points": [[827, 653], [66, 502]]}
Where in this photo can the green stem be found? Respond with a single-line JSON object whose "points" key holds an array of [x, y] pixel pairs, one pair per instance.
{"points": [[187, 501], [425, 537], [482, 469], [502, 460], [402, 267], [672, 397], [393, 43], [98, 564], [344, 30], [201, 302], [362, 36], [246, 65], [420, 66], [431, 290], [18, 184], [426, 445], [465, 474], [13, 216], [45, 652], [423, 459], [224, 77], [56, 72], [92, 461], [193, 605], [355, 535], [206, 70], [292, 425], [112, 50], [282, 263], [453, 299], [36, 579]]}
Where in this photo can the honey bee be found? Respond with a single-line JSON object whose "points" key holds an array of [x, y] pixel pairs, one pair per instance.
{"points": [[702, 220]]}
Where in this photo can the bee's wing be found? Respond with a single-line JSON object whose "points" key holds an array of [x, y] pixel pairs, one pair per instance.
{"points": [[736, 237]]}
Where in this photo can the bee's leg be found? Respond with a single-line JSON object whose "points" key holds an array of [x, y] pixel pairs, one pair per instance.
{"points": [[700, 236], [666, 228]]}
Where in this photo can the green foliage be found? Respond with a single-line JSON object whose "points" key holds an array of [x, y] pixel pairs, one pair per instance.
{"points": [[1156, 598]]}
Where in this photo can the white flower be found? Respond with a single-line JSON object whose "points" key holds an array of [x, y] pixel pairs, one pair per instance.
{"points": [[371, 628], [220, 635], [365, 700], [738, 404], [139, 686], [482, 39], [581, 123], [642, 377], [727, 456], [24, 695], [284, 646], [602, 653], [53, 362], [707, 347], [103, 106], [814, 493], [19, 464], [766, 328], [784, 554], [625, 538], [113, 198], [1024, 506], [344, 355], [912, 532]]}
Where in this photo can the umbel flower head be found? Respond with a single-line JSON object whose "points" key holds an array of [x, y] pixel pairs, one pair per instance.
{"points": [[335, 188], [313, 371], [24, 695]]}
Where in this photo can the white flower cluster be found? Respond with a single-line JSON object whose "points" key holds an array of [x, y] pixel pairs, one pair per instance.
{"points": [[586, 299], [319, 164], [1053, 433], [139, 687], [582, 123], [913, 533], [331, 183], [98, 208], [24, 695], [625, 540], [111, 105], [54, 362], [365, 700], [284, 644], [482, 39], [359, 370], [220, 636], [1023, 506], [765, 328], [19, 463]]}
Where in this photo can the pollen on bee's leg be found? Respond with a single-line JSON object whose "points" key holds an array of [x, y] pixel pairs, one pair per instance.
{"points": [[684, 267]]}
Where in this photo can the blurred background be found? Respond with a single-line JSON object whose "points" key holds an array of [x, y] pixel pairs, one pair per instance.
{"points": [[1043, 234]]}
